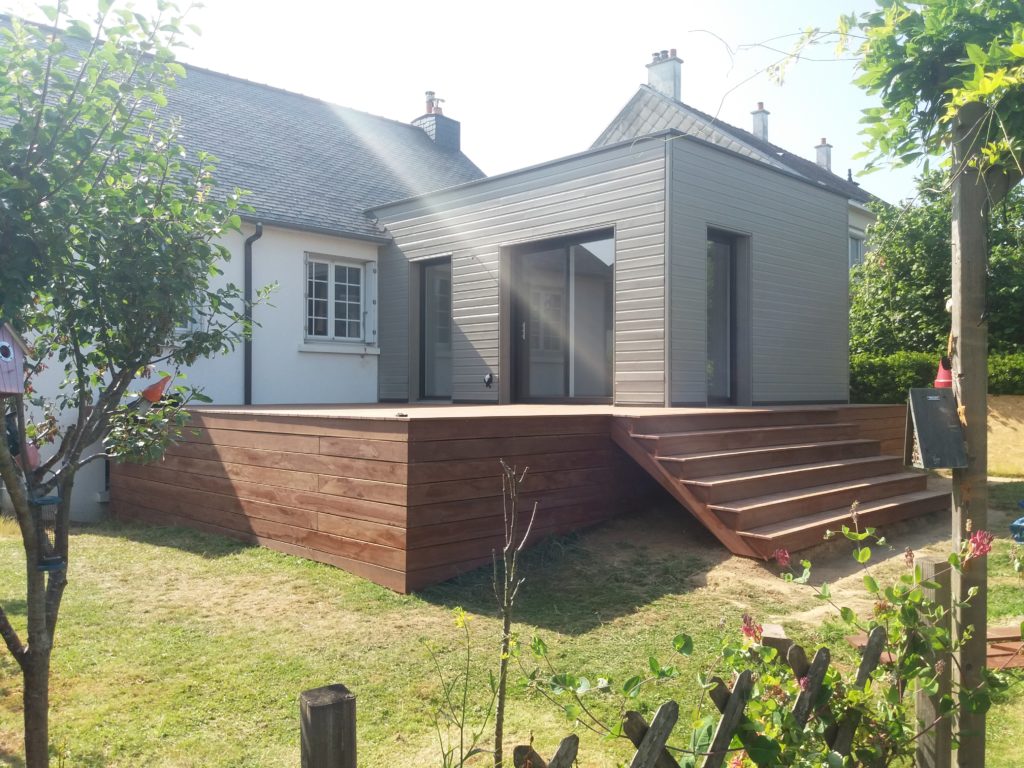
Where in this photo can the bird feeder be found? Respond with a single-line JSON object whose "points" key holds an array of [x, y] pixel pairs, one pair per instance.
{"points": [[44, 515], [12, 361]]}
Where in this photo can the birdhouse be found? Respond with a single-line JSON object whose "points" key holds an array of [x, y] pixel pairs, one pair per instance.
{"points": [[12, 361]]}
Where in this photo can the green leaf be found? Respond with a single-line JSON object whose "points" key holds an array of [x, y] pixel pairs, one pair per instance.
{"points": [[654, 665], [862, 554], [977, 55], [683, 644], [847, 615], [870, 584], [632, 686]]}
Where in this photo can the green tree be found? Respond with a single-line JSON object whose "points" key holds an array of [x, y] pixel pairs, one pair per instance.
{"points": [[108, 247], [898, 295], [949, 75]]}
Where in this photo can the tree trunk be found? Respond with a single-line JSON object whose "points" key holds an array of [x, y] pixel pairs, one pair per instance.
{"points": [[36, 677], [970, 377]]}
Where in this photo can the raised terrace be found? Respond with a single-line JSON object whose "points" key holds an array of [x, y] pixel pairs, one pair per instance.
{"points": [[408, 496]]}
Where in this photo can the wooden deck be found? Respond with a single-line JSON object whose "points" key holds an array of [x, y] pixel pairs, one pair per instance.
{"points": [[408, 496]]}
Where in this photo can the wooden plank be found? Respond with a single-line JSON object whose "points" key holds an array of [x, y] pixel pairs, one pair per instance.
{"points": [[440, 471], [366, 428], [507, 447], [843, 741], [453, 511], [327, 726], [636, 728], [422, 430], [357, 448], [386, 471], [485, 487], [267, 529], [272, 441], [362, 509], [935, 743], [268, 511], [681, 493], [731, 717], [387, 577], [657, 736], [303, 481], [371, 490]]}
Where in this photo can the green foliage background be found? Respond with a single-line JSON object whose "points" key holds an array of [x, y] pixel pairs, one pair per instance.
{"points": [[898, 296]]}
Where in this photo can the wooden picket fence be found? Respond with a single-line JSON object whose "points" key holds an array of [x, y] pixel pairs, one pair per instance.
{"points": [[328, 715]]}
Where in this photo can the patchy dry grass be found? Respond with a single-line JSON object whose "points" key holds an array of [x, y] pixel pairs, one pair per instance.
{"points": [[181, 649], [1006, 435]]}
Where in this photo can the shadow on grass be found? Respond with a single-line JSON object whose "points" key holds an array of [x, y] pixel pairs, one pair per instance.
{"points": [[577, 582], [10, 759], [208, 545]]}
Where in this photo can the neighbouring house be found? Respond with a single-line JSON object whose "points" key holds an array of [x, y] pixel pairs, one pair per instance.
{"points": [[679, 261], [312, 168]]}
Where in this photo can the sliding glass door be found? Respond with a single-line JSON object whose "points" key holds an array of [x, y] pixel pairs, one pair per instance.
{"points": [[563, 311], [436, 330]]}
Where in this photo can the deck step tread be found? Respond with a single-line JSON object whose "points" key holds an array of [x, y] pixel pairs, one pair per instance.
{"points": [[783, 430], [836, 516], [683, 457], [754, 502], [792, 469]]}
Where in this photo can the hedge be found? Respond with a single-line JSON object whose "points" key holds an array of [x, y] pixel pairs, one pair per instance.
{"points": [[886, 379]]}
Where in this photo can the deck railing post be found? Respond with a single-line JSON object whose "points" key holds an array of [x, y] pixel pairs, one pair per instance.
{"points": [[328, 725], [935, 746]]}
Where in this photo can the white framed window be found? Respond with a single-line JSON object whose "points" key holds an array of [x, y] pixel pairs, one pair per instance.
{"points": [[856, 251], [338, 307]]}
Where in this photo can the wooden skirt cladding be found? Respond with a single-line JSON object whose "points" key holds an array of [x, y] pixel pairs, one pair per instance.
{"points": [[404, 503]]}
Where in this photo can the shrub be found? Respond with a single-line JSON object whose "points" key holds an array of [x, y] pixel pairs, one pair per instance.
{"points": [[886, 378]]}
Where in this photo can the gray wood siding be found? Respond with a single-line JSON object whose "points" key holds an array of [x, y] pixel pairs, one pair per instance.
{"points": [[799, 275], [622, 187]]}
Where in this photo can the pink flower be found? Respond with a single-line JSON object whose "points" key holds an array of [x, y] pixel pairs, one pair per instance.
{"points": [[737, 760], [751, 628], [980, 544], [908, 557], [805, 683], [781, 556]]}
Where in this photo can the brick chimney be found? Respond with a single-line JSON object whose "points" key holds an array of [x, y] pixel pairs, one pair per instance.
{"points": [[824, 158], [664, 73], [442, 130], [760, 121]]}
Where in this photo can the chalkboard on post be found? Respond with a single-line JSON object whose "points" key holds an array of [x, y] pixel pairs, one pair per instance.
{"points": [[935, 437]]}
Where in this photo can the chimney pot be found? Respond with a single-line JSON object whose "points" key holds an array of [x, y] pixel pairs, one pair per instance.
{"points": [[824, 154], [760, 127], [664, 73]]}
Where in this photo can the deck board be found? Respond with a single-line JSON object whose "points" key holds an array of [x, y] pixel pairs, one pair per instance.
{"points": [[404, 495]]}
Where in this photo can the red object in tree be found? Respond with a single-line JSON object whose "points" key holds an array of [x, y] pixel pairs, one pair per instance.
{"points": [[154, 392], [944, 377]]}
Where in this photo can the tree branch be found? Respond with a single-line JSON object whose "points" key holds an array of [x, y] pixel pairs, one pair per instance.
{"points": [[18, 649]]}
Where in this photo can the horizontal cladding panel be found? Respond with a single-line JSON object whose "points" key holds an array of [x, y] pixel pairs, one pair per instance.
{"points": [[369, 428], [490, 487], [363, 509], [389, 577], [444, 471], [389, 557], [509, 427], [393, 472]]}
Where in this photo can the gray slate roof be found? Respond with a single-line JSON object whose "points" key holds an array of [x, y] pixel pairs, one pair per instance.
{"points": [[650, 111], [309, 164]]}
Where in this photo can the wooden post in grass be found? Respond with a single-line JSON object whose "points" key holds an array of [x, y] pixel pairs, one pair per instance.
{"points": [[935, 745], [328, 722]]}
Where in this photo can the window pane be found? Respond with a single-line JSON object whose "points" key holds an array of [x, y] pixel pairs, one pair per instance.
{"points": [[353, 330], [319, 270]]}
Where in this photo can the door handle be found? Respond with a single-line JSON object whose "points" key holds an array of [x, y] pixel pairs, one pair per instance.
{"points": [[524, 330]]}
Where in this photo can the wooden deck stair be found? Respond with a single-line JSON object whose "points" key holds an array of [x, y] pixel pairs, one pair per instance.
{"points": [[765, 479]]}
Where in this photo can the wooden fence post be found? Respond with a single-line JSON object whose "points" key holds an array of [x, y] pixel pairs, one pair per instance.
{"points": [[328, 723], [935, 745]]}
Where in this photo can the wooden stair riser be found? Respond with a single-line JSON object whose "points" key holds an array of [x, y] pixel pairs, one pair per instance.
{"points": [[810, 502], [809, 536], [692, 442], [692, 422], [797, 477], [770, 457]]}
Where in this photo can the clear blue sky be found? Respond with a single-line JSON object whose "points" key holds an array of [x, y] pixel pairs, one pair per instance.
{"points": [[531, 81]]}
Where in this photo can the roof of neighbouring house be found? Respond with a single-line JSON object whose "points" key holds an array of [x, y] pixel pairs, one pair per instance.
{"points": [[650, 111], [307, 163]]}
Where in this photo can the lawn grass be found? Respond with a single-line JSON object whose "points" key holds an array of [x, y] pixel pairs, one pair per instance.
{"points": [[177, 648]]}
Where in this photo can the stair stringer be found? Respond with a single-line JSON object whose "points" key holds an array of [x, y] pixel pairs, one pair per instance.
{"points": [[730, 538]]}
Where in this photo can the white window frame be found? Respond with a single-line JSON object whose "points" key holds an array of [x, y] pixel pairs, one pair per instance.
{"points": [[367, 299], [859, 239]]}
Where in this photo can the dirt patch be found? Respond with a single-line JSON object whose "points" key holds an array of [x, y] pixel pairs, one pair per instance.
{"points": [[1006, 435]]}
